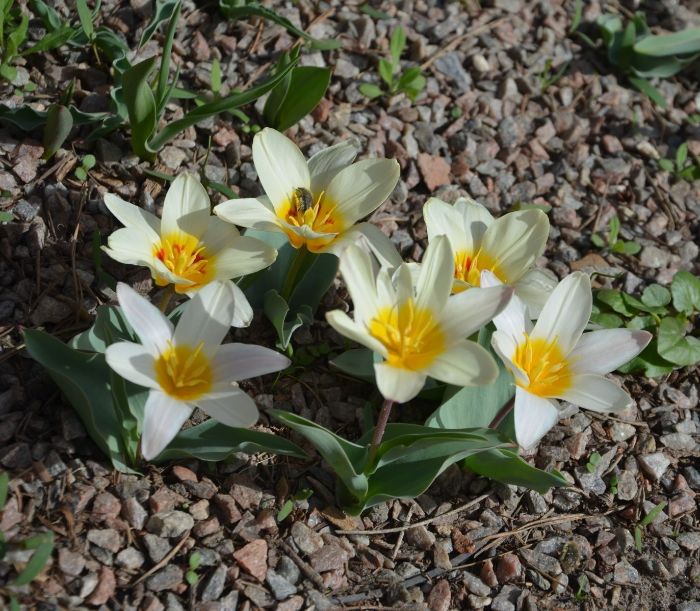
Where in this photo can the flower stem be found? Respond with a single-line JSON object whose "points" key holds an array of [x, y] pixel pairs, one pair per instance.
{"points": [[502, 413], [379, 430], [293, 272], [168, 293]]}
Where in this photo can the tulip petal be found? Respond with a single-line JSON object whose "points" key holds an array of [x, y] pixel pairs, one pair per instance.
{"points": [[534, 288], [130, 246], [133, 216], [234, 362], [475, 220], [566, 313], [513, 318], [464, 364], [534, 417], [344, 325], [280, 165], [219, 234], [132, 362], [377, 242], [596, 393], [162, 420], [356, 268], [242, 310], [505, 346], [249, 212], [436, 274], [361, 188], [468, 311], [605, 350], [397, 384], [186, 207], [515, 241], [324, 165], [206, 318], [233, 408], [244, 256], [149, 323], [442, 218]]}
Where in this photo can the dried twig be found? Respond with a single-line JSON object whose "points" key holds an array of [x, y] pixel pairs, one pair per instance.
{"points": [[398, 529]]}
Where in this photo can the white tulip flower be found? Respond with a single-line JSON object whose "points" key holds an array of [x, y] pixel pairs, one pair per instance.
{"points": [[187, 366], [419, 330], [507, 246], [555, 359], [316, 203], [189, 247]]}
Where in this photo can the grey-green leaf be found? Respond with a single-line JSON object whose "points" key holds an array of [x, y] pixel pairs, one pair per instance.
{"points": [[213, 441], [59, 122]]}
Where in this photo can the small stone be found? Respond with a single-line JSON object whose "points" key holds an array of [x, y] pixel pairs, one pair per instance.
{"points": [[215, 583], [481, 64], [130, 558], [226, 504], [170, 523], [450, 65], [679, 441], [201, 490], [689, 541], [654, 257], [305, 538], [328, 558], [475, 585], [50, 310], [172, 157], [625, 574], [207, 527], [434, 170], [420, 537], [156, 547], [541, 562], [200, 510], [280, 587], [654, 465], [626, 486], [621, 431], [287, 568], [167, 578], [106, 587], [105, 507], [508, 568], [162, 500], [134, 513], [488, 575], [253, 558], [184, 474], [70, 563], [292, 604], [106, 538], [683, 503], [246, 493], [440, 597]]}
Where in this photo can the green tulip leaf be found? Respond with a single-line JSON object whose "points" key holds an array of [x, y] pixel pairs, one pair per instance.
{"points": [[507, 467], [84, 379], [213, 441]]}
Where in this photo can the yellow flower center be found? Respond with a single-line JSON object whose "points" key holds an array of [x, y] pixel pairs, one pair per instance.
{"points": [[468, 268], [412, 336], [317, 213], [185, 256], [184, 372], [545, 365]]}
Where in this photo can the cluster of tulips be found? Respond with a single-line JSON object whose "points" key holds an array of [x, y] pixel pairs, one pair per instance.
{"points": [[417, 318]]}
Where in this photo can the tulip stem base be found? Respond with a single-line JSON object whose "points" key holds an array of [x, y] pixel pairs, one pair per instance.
{"points": [[293, 272], [502, 413], [166, 297], [379, 429]]}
